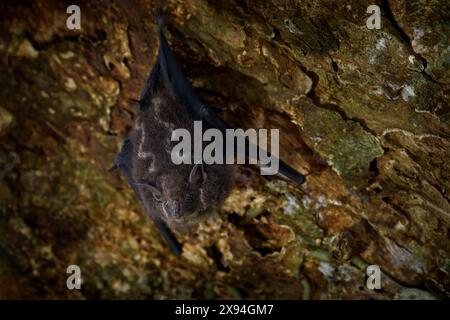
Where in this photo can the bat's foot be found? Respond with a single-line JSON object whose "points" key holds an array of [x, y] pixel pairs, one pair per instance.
{"points": [[113, 168], [218, 109]]}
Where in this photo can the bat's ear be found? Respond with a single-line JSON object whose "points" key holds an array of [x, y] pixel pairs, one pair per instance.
{"points": [[157, 193], [198, 174]]}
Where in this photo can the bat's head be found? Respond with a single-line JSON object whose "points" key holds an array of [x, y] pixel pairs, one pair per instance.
{"points": [[179, 194]]}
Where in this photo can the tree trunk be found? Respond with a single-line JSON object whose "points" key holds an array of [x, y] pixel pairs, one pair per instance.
{"points": [[363, 112]]}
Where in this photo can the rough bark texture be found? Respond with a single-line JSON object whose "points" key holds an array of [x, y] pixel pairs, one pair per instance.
{"points": [[364, 112]]}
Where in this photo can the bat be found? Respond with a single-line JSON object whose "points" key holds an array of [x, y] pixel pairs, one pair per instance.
{"points": [[174, 196]]}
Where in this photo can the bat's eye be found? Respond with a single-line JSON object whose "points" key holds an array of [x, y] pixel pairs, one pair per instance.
{"points": [[157, 197]]}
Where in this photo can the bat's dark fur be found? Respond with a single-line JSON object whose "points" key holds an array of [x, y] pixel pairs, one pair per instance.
{"points": [[172, 195], [178, 192]]}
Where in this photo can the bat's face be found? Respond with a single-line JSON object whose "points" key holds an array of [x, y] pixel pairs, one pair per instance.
{"points": [[178, 195]]}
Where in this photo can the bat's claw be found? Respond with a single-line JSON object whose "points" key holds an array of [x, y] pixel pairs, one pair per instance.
{"points": [[160, 18]]}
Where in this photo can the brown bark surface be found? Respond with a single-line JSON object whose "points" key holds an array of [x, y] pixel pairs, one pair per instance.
{"points": [[364, 112]]}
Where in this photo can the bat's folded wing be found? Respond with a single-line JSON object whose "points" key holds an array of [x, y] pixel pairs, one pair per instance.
{"points": [[174, 78], [123, 163]]}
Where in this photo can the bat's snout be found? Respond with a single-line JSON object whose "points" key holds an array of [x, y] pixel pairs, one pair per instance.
{"points": [[173, 209]]}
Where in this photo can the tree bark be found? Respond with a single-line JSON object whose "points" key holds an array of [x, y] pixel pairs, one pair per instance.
{"points": [[363, 112]]}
